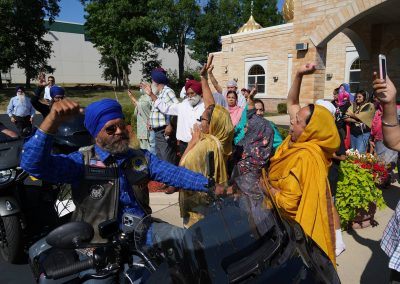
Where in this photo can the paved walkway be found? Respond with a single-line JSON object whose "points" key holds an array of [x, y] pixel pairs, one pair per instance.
{"points": [[279, 119], [362, 262]]}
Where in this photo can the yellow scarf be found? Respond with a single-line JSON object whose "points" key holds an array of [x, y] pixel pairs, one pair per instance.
{"points": [[304, 165], [366, 113], [219, 140]]}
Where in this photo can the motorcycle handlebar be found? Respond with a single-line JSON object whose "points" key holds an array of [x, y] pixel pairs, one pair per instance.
{"points": [[72, 269]]}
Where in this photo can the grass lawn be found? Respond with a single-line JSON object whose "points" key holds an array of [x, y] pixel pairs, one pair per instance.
{"points": [[84, 95]]}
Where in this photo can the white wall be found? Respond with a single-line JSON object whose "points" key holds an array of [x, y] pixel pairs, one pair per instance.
{"points": [[77, 61]]}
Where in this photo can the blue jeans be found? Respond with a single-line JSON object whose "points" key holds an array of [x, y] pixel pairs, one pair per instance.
{"points": [[360, 142], [152, 142]]}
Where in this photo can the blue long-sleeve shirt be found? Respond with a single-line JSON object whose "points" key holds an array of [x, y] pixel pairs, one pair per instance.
{"points": [[38, 161], [19, 107]]}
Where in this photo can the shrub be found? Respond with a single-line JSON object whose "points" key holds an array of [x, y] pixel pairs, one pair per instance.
{"points": [[282, 108], [284, 132], [128, 111], [356, 189]]}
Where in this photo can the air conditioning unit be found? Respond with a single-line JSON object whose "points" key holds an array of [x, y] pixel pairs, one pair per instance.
{"points": [[302, 46]]}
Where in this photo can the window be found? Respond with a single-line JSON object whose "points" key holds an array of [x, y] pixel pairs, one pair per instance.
{"points": [[355, 75], [256, 75]]}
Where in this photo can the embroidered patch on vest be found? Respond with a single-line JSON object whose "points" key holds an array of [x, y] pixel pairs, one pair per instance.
{"points": [[96, 164], [139, 164], [97, 191]]}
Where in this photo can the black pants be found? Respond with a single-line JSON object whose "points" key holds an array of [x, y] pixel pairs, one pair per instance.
{"points": [[182, 147], [22, 122], [165, 146], [394, 277]]}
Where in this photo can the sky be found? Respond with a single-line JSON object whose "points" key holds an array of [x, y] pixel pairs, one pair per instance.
{"points": [[72, 11]]}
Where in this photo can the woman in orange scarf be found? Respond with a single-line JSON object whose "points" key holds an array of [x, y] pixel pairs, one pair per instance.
{"points": [[299, 168]]}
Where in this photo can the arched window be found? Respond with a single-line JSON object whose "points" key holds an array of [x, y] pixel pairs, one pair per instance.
{"points": [[355, 75], [257, 75]]}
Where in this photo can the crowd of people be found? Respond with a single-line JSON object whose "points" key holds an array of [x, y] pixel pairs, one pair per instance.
{"points": [[176, 135]]}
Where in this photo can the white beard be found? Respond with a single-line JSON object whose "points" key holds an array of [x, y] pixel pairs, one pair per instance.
{"points": [[193, 101], [154, 89]]}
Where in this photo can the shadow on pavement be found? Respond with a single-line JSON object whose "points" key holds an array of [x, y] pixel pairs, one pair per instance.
{"points": [[391, 196], [376, 270]]}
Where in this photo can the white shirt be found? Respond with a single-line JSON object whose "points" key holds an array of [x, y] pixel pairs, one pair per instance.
{"points": [[47, 93], [187, 116], [182, 95]]}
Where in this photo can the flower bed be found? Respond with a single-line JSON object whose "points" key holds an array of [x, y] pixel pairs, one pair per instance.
{"points": [[360, 176], [368, 161]]}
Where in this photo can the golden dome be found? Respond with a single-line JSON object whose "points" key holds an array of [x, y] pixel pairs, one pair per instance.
{"points": [[288, 10], [251, 25]]}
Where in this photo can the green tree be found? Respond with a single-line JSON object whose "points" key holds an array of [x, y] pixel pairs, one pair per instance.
{"points": [[175, 20], [219, 17], [121, 30], [265, 12], [31, 49], [7, 37], [223, 17]]}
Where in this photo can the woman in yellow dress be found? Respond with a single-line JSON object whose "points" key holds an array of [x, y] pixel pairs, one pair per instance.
{"points": [[215, 134], [299, 169]]}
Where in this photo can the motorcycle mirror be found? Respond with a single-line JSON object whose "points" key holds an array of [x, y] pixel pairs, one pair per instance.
{"points": [[70, 235]]}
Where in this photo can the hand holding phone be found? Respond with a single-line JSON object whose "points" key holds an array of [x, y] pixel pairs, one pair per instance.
{"points": [[382, 67]]}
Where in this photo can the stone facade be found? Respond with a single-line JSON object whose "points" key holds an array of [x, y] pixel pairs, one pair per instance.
{"points": [[335, 31]]}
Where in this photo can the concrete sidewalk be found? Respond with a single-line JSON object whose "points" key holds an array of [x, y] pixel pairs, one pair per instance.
{"points": [[280, 119], [363, 261]]}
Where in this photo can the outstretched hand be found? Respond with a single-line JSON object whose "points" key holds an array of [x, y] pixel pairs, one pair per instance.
{"points": [[306, 69], [133, 99], [146, 88], [63, 110], [208, 67], [385, 91], [42, 80]]}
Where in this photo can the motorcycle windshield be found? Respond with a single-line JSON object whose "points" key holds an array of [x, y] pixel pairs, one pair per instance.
{"points": [[223, 239]]}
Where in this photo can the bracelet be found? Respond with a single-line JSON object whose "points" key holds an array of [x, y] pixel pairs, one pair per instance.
{"points": [[389, 125]]}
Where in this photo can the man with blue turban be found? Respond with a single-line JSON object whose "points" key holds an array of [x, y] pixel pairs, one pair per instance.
{"points": [[160, 123], [109, 179]]}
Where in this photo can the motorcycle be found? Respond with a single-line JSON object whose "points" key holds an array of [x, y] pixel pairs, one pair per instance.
{"points": [[26, 202], [238, 239]]}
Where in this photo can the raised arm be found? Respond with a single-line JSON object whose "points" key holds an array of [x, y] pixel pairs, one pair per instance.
{"points": [[214, 81], [386, 93], [293, 102], [208, 98]]}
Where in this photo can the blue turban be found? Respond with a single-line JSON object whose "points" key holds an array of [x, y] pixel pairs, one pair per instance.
{"points": [[159, 76], [19, 88], [97, 114], [56, 91]]}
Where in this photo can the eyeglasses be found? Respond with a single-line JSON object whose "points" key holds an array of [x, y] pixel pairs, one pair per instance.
{"points": [[50, 80], [110, 130], [202, 118]]}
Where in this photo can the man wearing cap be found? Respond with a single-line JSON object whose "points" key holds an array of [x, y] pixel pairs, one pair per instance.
{"points": [[108, 179], [230, 86], [160, 122], [52, 93], [20, 110], [188, 112]]}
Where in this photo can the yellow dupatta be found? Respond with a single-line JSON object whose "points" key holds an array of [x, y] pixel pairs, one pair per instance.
{"points": [[300, 171], [219, 140]]}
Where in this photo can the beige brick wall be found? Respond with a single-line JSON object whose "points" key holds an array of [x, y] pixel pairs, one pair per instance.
{"points": [[336, 63]]}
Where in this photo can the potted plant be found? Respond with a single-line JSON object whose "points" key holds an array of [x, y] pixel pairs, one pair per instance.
{"points": [[357, 195]]}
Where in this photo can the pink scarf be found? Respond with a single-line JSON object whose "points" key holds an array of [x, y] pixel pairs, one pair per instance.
{"points": [[236, 114]]}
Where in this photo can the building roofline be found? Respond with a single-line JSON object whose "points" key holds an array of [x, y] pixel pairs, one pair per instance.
{"points": [[258, 31]]}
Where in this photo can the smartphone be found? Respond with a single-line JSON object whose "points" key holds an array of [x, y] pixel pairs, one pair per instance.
{"points": [[382, 67]]}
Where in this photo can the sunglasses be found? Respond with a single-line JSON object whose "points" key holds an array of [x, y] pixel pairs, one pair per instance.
{"points": [[110, 130], [202, 118]]}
